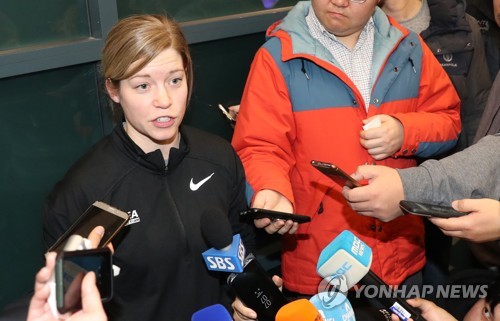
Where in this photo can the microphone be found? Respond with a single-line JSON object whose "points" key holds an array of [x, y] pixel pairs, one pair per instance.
{"points": [[227, 253], [299, 310], [216, 312], [333, 306], [248, 279], [346, 261]]}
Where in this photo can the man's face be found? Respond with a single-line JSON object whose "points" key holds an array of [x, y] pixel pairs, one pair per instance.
{"points": [[343, 18], [481, 311]]}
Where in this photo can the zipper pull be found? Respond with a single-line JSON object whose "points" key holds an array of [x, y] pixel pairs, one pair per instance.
{"points": [[412, 65], [303, 69]]}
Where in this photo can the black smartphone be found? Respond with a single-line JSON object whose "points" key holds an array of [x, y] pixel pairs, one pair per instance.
{"points": [[255, 288], [335, 173], [70, 269], [99, 213], [429, 210], [257, 213]]}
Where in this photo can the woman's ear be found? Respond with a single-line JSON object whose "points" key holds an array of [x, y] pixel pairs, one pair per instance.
{"points": [[112, 91]]}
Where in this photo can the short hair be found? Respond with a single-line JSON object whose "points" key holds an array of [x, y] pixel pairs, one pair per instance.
{"points": [[141, 38]]}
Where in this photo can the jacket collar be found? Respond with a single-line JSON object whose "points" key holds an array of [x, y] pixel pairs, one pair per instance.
{"points": [[153, 160]]}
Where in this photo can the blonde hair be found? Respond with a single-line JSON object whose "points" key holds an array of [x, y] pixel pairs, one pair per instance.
{"points": [[140, 38]]}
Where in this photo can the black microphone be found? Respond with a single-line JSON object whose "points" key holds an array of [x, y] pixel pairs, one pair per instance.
{"points": [[227, 253], [216, 229]]}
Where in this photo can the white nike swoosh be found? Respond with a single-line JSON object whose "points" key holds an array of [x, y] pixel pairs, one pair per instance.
{"points": [[194, 187]]}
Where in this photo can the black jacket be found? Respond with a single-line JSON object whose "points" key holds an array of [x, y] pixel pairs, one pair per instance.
{"points": [[483, 12], [455, 39], [163, 276]]}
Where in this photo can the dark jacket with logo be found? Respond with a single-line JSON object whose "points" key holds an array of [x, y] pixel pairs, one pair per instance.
{"points": [[455, 39], [163, 276]]}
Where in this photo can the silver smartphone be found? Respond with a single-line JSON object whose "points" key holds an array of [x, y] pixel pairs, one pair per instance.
{"points": [[98, 214]]}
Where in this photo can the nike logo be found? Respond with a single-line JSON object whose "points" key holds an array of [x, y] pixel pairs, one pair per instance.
{"points": [[195, 187]]}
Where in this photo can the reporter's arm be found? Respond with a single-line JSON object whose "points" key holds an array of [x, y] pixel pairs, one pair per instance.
{"points": [[471, 173]]}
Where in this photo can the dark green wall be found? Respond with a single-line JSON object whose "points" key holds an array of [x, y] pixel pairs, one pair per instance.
{"points": [[51, 118]]}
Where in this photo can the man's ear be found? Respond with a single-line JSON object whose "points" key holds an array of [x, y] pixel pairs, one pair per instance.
{"points": [[112, 91]]}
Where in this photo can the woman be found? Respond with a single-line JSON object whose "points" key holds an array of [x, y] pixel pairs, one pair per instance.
{"points": [[165, 175]]}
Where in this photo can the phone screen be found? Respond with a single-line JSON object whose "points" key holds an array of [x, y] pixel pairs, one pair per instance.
{"points": [[70, 269], [98, 214]]}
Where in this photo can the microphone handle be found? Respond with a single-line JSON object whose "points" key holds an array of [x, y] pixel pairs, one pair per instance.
{"points": [[390, 301]]}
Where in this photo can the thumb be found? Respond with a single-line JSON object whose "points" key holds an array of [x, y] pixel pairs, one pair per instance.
{"points": [[91, 299]]}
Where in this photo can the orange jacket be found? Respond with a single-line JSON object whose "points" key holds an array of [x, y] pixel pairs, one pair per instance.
{"points": [[298, 106]]}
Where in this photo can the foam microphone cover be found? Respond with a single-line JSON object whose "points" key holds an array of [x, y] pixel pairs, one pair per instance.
{"points": [[333, 306], [216, 229], [299, 310], [216, 312]]}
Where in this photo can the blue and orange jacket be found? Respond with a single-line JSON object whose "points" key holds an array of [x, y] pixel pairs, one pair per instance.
{"points": [[298, 105]]}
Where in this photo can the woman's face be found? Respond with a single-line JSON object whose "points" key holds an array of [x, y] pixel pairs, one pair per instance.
{"points": [[154, 102]]}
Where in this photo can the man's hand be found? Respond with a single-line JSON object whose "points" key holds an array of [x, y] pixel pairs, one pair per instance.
{"points": [[272, 200], [381, 142], [481, 225], [430, 311], [39, 310], [380, 198]]}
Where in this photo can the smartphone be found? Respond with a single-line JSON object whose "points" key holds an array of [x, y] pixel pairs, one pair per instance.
{"points": [[99, 213], [257, 213], [429, 210], [226, 113], [335, 173], [70, 269]]}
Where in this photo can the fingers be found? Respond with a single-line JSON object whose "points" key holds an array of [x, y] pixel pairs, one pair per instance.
{"points": [[43, 276], [91, 299], [281, 227], [95, 236], [241, 312], [278, 281]]}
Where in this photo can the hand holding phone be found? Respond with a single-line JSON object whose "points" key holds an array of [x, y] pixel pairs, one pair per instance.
{"points": [[70, 269], [429, 210], [335, 173], [98, 214], [258, 213]]}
